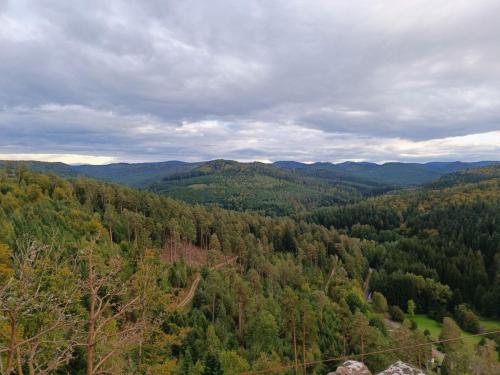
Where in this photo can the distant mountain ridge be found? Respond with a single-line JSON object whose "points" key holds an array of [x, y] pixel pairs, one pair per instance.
{"points": [[143, 174], [263, 187], [280, 188], [392, 173]]}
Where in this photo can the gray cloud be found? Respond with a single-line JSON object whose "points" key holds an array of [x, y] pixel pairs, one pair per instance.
{"points": [[323, 80]]}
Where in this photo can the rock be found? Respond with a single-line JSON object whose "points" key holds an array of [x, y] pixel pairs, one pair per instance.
{"points": [[401, 368], [351, 368]]}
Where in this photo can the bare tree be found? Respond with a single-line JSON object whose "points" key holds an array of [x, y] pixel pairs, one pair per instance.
{"points": [[36, 322], [111, 325]]}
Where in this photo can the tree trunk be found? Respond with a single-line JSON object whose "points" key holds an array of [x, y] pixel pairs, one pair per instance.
{"points": [[90, 346], [213, 309], [10, 353], [304, 347], [31, 368], [19, 365], [362, 348], [295, 347], [91, 321], [240, 318], [171, 250]]}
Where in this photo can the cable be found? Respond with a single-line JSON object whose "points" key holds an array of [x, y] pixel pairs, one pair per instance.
{"points": [[345, 357]]}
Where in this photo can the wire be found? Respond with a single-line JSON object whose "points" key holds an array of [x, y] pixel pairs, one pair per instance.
{"points": [[345, 357]]}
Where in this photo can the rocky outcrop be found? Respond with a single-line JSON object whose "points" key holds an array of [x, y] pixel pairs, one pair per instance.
{"points": [[359, 368], [401, 368], [351, 368]]}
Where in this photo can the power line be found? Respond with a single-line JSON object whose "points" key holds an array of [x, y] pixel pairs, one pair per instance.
{"points": [[345, 357]]}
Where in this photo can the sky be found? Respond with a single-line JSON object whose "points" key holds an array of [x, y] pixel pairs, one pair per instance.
{"points": [[109, 81]]}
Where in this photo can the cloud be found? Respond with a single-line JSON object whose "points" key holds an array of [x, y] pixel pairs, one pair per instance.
{"points": [[329, 80], [63, 158]]}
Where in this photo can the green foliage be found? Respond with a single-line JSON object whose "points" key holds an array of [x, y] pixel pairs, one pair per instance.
{"points": [[355, 302], [379, 324], [296, 287], [379, 302], [448, 236], [396, 314], [232, 363], [411, 308], [212, 365], [458, 356], [466, 319], [254, 186]]}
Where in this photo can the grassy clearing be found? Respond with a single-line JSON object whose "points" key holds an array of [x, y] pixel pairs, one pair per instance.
{"points": [[490, 324], [424, 322]]}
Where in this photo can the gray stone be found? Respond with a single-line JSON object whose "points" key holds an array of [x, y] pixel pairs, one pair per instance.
{"points": [[351, 368], [401, 368]]}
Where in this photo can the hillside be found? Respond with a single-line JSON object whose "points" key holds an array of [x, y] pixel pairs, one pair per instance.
{"points": [[139, 175], [81, 241], [396, 174], [281, 188], [450, 234], [466, 176], [262, 187], [68, 245]]}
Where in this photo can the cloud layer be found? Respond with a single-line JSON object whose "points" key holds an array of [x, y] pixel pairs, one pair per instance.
{"points": [[96, 81]]}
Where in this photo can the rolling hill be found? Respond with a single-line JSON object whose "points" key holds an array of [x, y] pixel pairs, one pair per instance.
{"points": [[280, 188], [397, 174], [262, 187]]}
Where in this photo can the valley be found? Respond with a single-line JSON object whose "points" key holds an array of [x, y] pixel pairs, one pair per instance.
{"points": [[206, 287]]}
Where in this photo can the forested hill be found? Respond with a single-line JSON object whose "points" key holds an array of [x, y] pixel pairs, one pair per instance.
{"points": [[139, 175], [67, 245], [92, 275], [396, 174], [466, 176], [449, 234], [262, 187], [281, 188]]}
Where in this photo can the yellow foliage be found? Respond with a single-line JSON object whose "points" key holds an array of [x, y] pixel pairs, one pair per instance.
{"points": [[6, 269], [167, 368]]}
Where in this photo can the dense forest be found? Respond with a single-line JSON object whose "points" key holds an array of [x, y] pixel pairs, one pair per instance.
{"points": [[94, 276], [450, 235], [279, 189], [264, 188]]}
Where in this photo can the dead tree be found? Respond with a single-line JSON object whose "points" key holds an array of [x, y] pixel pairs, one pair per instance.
{"points": [[110, 303], [37, 325]]}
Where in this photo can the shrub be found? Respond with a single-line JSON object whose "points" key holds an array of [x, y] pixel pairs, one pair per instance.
{"points": [[411, 308], [413, 325], [379, 324], [396, 314], [355, 302], [379, 302], [466, 319]]}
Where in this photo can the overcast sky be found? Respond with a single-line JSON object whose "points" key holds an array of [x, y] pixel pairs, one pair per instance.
{"points": [[105, 81]]}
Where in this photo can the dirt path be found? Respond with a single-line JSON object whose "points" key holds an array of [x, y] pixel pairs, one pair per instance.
{"points": [[192, 290]]}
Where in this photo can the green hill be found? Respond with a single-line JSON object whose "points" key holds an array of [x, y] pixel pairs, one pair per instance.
{"points": [[84, 261], [281, 188], [447, 232], [395, 174], [467, 176], [261, 187]]}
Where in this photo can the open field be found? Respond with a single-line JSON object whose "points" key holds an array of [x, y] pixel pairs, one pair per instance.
{"points": [[434, 327], [425, 322]]}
